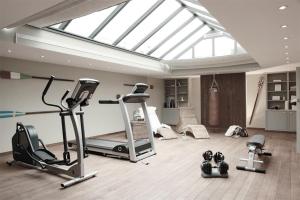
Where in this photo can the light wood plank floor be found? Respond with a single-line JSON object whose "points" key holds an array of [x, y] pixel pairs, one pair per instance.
{"points": [[174, 173]]}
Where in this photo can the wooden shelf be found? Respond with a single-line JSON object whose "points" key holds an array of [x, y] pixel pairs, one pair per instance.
{"points": [[277, 82], [278, 100], [278, 91]]}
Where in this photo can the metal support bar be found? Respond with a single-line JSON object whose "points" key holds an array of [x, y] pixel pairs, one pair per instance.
{"points": [[137, 22], [215, 26], [171, 34], [107, 20], [63, 25], [182, 40], [176, 12], [196, 10]]}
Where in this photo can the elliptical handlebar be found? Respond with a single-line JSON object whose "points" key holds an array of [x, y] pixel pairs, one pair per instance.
{"points": [[46, 91], [48, 85]]}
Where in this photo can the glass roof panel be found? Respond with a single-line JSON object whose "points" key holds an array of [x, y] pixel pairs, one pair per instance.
{"points": [[204, 49], [149, 24], [127, 16], [224, 46], [177, 37], [56, 26], [187, 55], [84, 26], [187, 43], [171, 26]]}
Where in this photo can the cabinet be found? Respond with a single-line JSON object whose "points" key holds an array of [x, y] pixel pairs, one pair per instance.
{"points": [[281, 120], [176, 93], [281, 90]]}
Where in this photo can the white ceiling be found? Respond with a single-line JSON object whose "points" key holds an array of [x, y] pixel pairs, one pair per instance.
{"points": [[11, 11], [256, 25]]}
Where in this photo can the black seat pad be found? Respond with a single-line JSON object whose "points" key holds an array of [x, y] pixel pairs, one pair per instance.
{"points": [[257, 140]]}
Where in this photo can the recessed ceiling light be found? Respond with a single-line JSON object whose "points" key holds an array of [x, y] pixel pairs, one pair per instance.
{"points": [[42, 56], [286, 53], [286, 46], [283, 7], [284, 26], [287, 58], [9, 51], [287, 62], [90, 64], [285, 38]]}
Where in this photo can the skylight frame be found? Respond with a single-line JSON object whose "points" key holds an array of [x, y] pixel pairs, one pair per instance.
{"points": [[197, 13]]}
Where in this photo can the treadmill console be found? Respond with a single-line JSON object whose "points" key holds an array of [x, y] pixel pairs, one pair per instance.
{"points": [[83, 92], [139, 88]]}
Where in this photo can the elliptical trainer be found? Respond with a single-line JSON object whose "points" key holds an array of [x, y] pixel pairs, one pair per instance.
{"points": [[26, 144]]}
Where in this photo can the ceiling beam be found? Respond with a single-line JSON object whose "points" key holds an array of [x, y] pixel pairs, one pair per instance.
{"points": [[63, 25], [107, 20], [171, 34], [137, 22], [182, 40], [160, 26]]}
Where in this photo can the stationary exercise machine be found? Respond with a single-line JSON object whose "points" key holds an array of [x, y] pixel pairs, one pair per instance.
{"points": [[256, 148], [26, 144], [134, 150]]}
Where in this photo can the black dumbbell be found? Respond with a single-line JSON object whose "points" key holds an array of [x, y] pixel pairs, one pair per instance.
{"points": [[221, 164], [208, 155]]}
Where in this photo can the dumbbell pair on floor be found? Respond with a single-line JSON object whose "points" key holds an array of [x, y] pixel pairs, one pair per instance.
{"points": [[218, 158]]}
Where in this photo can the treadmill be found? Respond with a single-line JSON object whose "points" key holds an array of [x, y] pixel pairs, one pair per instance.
{"points": [[133, 150]]}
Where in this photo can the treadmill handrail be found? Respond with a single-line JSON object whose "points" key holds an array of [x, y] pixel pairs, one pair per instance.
{"points": [[108, 102]]}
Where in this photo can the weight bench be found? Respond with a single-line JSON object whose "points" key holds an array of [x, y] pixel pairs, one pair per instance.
{"points": [[256, 147]]}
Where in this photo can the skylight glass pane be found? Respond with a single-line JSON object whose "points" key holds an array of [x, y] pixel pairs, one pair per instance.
{"points": [[150, 23], [194, 5], [187, 43], [129, 14], [177, 37], [203, 49], [171, 26], [240, 49], [187, 55], [56, 26], [224, 46], [84, 26]]}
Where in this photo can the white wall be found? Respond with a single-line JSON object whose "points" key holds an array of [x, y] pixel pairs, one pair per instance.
{"points": [[258, 120], [25, 95], [195, 96], [298, 110]]}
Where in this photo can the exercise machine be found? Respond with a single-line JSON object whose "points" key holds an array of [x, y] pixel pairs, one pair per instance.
{"points": [[256, 148], [219, 170], [27, 150], [134, 150]]}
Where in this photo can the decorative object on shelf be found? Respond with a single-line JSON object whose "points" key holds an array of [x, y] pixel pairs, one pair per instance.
{"points": [[276, 81], [286, 105], [293, 88], [275, 98], [213, 104], [260, 85], [18, 76], [277, 87], [10, 113]]}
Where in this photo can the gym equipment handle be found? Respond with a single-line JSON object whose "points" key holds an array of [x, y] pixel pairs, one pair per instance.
{"points": [[48, 85], [64, 96], [108, 102]]}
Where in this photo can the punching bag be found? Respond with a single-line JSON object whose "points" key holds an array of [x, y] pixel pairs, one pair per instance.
{"points": [[213, 103]]}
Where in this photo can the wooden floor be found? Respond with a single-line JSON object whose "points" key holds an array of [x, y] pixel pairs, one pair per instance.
{"points": [[174, 173]]}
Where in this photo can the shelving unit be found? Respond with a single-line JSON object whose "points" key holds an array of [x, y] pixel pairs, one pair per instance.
{"points": [[280, 114], [176, 93]]}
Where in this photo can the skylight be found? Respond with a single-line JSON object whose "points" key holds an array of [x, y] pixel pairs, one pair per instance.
{"points": [[161, 29]]}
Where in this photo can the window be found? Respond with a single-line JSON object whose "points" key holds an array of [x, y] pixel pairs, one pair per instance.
{"points": [[187, 55], [149, 24], [187, 43], [240, 49], [224, 46], [85, 25], [163, 33], [127, 16], [177, 37], [204, 49]]}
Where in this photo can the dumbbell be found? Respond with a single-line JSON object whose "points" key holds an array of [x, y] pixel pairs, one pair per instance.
{"points": [[206, 166], [221, 164]]}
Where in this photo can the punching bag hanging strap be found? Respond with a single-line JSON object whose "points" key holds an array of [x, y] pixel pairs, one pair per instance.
{"points": [[214, 83]]}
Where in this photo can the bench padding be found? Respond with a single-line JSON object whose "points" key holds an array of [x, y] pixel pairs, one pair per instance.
{"points": [[257, 140]]}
